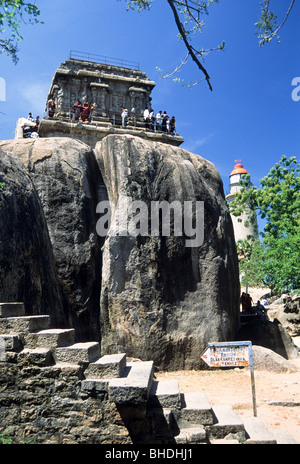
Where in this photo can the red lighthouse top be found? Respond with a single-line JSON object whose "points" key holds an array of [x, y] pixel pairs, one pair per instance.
{"points": [[238, 169]]}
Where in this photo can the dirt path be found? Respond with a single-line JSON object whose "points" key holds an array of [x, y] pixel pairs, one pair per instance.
{"points": [[233, 387]]}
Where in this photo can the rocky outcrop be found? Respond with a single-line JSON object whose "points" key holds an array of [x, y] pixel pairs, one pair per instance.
{"points": [[162, 299], [152, 293], [289, 316], [69, 184], [267, 360], [27, 265], [271, 335]]}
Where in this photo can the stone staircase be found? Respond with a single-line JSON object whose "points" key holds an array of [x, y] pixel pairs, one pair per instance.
{"points": [[174, 417]]}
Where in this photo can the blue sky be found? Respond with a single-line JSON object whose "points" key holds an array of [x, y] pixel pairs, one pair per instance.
{"points": [[250, 115]]}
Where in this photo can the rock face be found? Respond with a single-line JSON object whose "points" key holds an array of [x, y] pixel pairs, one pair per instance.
{"points": [[271, 335], [152, 293], [69, 185], [266, 359], [161, 299], [27, 266], [289, 316]]}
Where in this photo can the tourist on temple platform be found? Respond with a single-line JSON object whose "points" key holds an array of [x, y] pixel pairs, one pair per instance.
{"points": [[158, 121], [165, 119], [85, 111], [152, 120], [51, 108], [37, 122], [27, 129], [124, 116], [147, 118], [77, 107], [172, 125]]}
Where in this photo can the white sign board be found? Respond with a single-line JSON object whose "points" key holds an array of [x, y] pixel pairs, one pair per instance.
{"points": [[223, 355], [230, 354]]}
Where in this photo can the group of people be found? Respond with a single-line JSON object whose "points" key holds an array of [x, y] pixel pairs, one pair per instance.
{"points": [[259, 309], [158, 122], [82, 111], [30, 129], [161, 121]]}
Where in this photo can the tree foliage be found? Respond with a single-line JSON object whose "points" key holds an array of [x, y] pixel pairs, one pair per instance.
{"points": [[188, 16], [13, 13], [275, 260]]}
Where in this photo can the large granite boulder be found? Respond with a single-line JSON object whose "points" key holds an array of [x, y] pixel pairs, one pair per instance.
{"points": [[154, 293], [27, 266], [289, 316], [163, 297], [69, 185]]}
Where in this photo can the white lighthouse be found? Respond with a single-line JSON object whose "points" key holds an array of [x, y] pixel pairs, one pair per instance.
{"points": [[243, 228]]}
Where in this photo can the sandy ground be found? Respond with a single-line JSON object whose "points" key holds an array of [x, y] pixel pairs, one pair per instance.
{"points": [[233, 387]]}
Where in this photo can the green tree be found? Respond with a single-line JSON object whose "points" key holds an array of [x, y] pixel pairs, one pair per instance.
{"points": [[275, 260], [13, 13]]}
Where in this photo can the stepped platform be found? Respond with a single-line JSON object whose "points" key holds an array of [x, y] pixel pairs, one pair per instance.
{"points": [[91, 133], [172, 417]]}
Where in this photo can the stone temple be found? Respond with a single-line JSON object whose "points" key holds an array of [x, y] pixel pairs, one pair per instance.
{"points": [[108, 88]]}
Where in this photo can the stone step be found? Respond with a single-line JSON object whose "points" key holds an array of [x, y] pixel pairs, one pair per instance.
{"points": [[134, 385], [10, 342], [161, 422], [24, 324], [257, 433], [94, 386], [191, 435], [107, 367], [165, 394], [196, 408], [78, 353], [12, 309], [284, 438], [51, 338], [37, 356], [226, 423], [224, 441]]}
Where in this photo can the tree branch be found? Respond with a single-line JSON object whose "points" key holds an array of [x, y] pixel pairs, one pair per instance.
{"points": [[283, 22], [187, 44]]}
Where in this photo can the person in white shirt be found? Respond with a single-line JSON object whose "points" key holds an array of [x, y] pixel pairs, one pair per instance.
{"points": [[158, 121], [124, 116], [146, 117]]}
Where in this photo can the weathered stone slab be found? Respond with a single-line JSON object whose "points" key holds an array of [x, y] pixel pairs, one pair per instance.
{"points": [[134, 387], [95, 385], [284, 438], [78, 353], [226, 422], [196, 408], [107, 367], [10, 342], [191, 435], [51, 338], [165, 394], [36, 356], [12, 309], [24, 324], [257, 433], [224, 441]]}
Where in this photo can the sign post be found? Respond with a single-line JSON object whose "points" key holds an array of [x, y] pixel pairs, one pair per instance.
{"points": [[232, 354]]}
